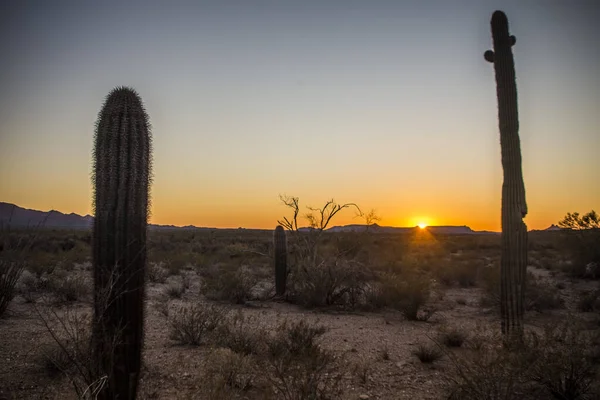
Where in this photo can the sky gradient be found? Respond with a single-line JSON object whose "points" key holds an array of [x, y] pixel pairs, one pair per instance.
{"points": [[388, 104]]}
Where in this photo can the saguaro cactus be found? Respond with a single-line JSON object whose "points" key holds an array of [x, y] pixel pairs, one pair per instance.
{"points": [[514, 207], [122, 168], [280, 244]]}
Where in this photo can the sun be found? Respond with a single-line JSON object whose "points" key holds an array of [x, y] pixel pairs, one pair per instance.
{"points": [[422, 225]]}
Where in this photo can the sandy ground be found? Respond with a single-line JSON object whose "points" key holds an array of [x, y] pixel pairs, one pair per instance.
{"points": [[361, 338]]}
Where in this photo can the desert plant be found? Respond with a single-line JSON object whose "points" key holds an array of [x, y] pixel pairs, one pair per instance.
{"points": [[175, 290], [406, 293], [121, 177], [452, 337], [10, 271], [514, 206], [297, 367], [190, 324], [228, 373], [241, 334], [280, 246], [230, 281], [427, 353], [581, 238]]}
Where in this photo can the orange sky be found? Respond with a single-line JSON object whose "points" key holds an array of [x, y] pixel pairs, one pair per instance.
{"points": [[391, 106]]}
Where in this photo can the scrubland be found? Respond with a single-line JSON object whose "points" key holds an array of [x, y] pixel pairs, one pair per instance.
{"points": [[368, 316]]}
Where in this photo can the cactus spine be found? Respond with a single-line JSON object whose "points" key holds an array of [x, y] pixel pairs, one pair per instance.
{"points": [[514, 207], [122, 168], [280, 245]]}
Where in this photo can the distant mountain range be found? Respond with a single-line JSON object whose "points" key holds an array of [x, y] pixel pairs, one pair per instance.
{"points": [[18, 217]]}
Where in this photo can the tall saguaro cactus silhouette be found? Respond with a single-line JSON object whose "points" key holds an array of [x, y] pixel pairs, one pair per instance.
{"points": [[122, 169], [514, 207], [280, 244]]}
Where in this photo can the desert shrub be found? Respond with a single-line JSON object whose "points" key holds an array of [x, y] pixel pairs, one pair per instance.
{"points": [[10, 271], [564, 367], [555, 364], [489, 374], [29, 286], [490, 277], [68, 288], [191, 324], [464, 273], [297, 367], [331, 282], [232, 282], [581, 239], [241, 334], [452, 337], [70, 353], [156, 273], [407, 293], [589, 301], [428, 353], [228, 375], [175, 290], [540, 296]]}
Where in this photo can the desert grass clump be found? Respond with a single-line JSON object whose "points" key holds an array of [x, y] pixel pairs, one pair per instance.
{"points": [[175, 290], [428, 353], [452, 337], [192, 324]]}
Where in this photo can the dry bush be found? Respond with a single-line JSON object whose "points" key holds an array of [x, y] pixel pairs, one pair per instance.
{"points": [[10, 271], [297, 367], [175, 290], [464, 273], [428, 353], [452, 337], [30, 286], [71, 351], [406, 293], [540, 296], [191, 324], [581, 239], [68, 288], [556, 364], [228, 375], [242, 334], [331, 282], [589, 301], [156, 273], [232, 281]]}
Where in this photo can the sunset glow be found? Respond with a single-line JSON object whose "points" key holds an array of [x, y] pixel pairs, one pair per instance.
{"points": [[422, 225], [389, 105]]}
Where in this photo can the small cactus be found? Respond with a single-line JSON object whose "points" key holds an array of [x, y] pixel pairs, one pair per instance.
{"points": [[514, 207], [280, 244], [122, 165]]}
